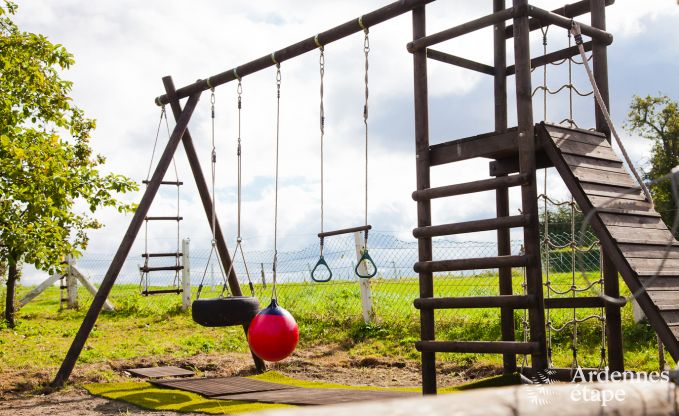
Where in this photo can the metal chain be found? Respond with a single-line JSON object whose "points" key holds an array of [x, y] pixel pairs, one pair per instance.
{"points": [[275, 230], [366, 51], [544, 31], [321, 62], [239, 91]]}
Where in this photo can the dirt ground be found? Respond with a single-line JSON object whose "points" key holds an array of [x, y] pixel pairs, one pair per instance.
{"points": [[22, 393]]}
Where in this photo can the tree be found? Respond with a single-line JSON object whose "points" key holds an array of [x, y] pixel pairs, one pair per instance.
{"points": [[657, 119], [50, 185]]}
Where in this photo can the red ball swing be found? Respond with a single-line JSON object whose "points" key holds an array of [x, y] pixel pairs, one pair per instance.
{"points": [[273, 333]]}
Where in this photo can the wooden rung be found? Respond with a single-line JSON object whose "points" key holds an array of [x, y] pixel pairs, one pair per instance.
{"points": [[163, 218], [471, 226], [345, 231], [174, 254], [501, 301], [471, 264], [568, 303], [160, 268], [175, 183], [470, 187], [161, 291], [491, 347]]}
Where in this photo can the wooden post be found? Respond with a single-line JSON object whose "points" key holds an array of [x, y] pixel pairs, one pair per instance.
{"points": [[422, 166], [366, 296], [616, 359], [71, 284], [186, 275], [124, 249], [502, 194], [526, 141]]}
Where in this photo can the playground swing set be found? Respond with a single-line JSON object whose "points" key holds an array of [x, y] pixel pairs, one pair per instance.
{"points": [[633, 239]]}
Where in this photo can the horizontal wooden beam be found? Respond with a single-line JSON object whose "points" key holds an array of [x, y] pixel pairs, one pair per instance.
{"points": [[547, 17], [463, 29], [459, 61], [349, 28], [491, 145], [345, 231], [570, 11], [477, 263], [578, 302], [552, 57], [474, 226], [471, 187], [502, 301], [480, 347], [510, 165]]}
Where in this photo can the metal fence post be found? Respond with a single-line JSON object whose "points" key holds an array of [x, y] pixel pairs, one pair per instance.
{"points": [[366, 296], [186, 275]]}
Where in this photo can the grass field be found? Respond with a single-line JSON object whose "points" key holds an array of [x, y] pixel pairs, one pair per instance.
{"points": [[326, 313]]}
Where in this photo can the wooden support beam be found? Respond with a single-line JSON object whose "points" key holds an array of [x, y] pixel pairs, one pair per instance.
{"points": [[463, 29], [459, 61], [108, 306], [547, 17], [578, 302], [309, 44], [423, 175], [510, 221], [491, 145], [470, 187], [529, 206], [570, 11], [478, 263], [479, 347], [552, 57], [124, 249], [510, 165], [38, 290], [502, 301]]}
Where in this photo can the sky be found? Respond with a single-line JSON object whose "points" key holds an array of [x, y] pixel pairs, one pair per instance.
{"points": [[123, 48]]}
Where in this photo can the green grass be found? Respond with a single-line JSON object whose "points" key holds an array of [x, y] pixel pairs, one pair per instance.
{"points": [[326, 313]]}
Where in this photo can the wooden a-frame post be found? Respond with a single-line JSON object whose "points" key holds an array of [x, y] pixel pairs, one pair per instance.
{"points": [[180, 133]]}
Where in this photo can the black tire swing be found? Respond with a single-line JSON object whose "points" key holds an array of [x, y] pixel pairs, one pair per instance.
{"points": [[230, 310], [366, 260]]}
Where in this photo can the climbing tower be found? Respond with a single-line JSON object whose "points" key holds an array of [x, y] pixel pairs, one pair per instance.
{"points": [[632, 237]]}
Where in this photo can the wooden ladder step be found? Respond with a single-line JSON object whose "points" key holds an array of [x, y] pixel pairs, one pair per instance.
{"points": [[160, 291], [160, 268], [491, 347], [579, 302], [173, 254], [501, 301], [512, 221], [471, 187], [175, 183], [164, 218], [471, 264]]}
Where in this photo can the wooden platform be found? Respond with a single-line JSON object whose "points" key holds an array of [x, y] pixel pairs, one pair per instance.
{"points": [[222, 386], [246, 389], [315, 396], [160, 372], [629, 229]]}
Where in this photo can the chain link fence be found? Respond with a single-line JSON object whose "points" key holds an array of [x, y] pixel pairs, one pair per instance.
{"points": [[390, 293]]}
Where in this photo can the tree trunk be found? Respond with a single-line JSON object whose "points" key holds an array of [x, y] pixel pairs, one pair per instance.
{"points": [[10, 310]]}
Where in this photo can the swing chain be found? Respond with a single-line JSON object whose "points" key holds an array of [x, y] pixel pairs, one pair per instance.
{"points": [[322, 126], [275, 232], [366, 50]]}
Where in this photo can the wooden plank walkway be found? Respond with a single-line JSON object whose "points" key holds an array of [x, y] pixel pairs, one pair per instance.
{"points": [[221, 386], [160, 372], [638, 242], [315, 396]]}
